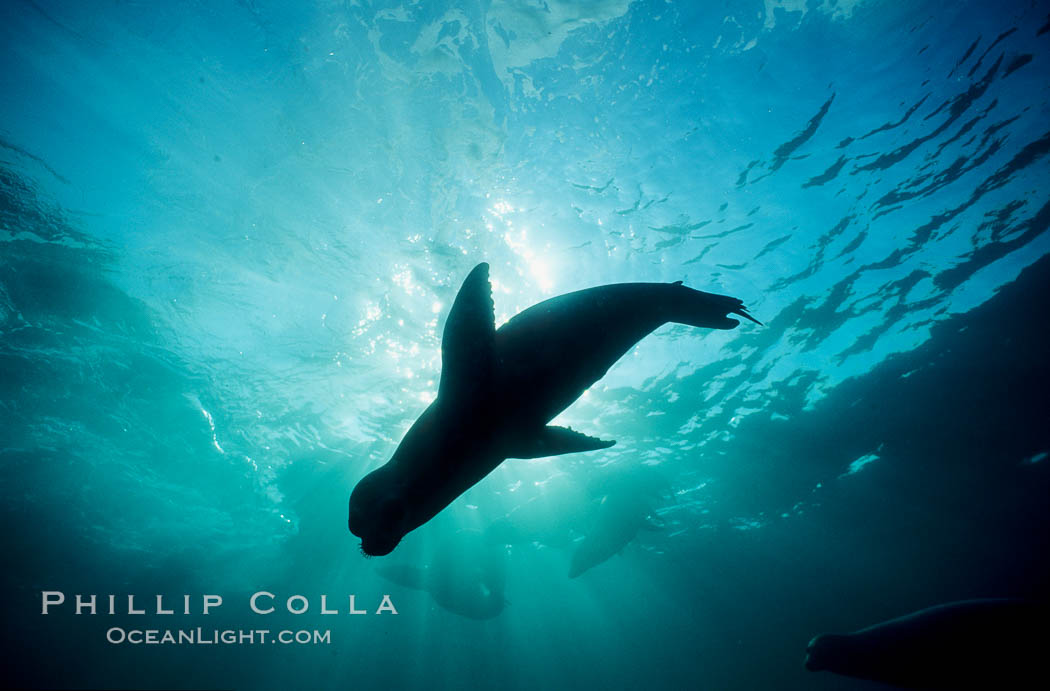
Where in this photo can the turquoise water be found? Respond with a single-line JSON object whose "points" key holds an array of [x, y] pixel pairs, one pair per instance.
{"points": [[231, 233]]}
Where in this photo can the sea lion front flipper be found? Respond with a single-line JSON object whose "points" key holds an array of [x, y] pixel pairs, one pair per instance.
{"points": [[468, 344], [555, 441]]}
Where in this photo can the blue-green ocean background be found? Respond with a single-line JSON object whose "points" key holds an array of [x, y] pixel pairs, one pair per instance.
{"points": [[230, 233]]}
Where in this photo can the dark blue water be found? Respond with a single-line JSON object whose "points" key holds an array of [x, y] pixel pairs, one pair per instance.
{"points": [[230, 233]]}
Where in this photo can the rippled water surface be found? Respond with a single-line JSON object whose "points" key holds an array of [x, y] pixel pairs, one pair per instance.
{"points": [[230, 234]]}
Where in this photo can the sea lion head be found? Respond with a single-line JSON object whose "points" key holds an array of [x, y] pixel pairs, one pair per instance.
{"points": [[378, 514], [821, 651]]}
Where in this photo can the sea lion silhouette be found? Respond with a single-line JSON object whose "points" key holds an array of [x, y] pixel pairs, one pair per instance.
{"points": [[500, 388], [973, 644], [627, 507], [466, 575], [551, 517]]}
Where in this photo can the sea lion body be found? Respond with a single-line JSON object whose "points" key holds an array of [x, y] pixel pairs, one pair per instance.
{"points": [[500, 388], [986, 644]]}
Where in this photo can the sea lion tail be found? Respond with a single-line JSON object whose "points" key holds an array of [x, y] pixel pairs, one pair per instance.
{"points": [[708, 310]]}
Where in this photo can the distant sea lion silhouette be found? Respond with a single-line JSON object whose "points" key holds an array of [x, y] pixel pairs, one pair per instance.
{"points": [[466, 576], [619, 520], [500, 388], [973, 644], [627, 507], [559, 508]]}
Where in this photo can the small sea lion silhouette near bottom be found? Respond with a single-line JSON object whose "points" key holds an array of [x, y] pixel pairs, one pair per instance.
{"points": [[993, 644]]}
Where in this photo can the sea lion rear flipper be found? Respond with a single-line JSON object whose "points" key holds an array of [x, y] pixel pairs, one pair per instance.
{"points": [[468, 352], [555, 441]]}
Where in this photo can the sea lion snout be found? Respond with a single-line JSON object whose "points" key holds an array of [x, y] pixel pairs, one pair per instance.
{"points": [[813, 653], [378, 539], [379, 546], [377, 516], [810, 664]]}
